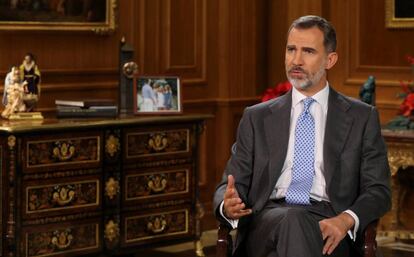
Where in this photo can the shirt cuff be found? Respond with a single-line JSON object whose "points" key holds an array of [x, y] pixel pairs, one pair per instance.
{"points": [[233, 223], [352, 234]]}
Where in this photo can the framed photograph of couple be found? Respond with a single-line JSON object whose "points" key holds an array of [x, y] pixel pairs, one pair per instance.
{"points": [[59, 15], [157, 95]]}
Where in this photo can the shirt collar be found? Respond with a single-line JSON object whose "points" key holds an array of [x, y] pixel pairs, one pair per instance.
{"points": [[321, 97]]}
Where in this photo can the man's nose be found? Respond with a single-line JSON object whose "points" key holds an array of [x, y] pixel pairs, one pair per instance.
{"points": [[297, 58]]}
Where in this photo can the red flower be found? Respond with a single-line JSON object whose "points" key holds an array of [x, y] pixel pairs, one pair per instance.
{"points": [[407, 107], [278, 90]]}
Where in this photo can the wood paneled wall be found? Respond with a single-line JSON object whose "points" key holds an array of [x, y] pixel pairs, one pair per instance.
{"points": [[366, 48], [225, 51]]}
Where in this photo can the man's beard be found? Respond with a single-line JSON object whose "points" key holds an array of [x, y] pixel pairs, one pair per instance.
{"points": [[308, 80]]}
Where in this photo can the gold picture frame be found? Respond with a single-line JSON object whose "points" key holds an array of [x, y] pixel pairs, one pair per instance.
{"points": [[98, 16], [398, 14]]}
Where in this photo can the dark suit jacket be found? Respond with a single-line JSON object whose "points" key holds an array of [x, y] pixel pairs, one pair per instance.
{"points": [[355, 158]]}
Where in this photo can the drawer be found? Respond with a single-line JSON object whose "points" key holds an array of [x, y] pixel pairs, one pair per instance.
{"points": [[41, 153], [157, 226], [46, 197], [156, 142], [61, 240], [159, 184]]}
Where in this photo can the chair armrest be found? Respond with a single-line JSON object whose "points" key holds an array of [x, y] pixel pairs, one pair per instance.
{"points": [[370, 244], [224, 242]]}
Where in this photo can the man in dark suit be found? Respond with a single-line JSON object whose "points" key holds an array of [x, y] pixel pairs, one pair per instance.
{"points": [[309, 169]]}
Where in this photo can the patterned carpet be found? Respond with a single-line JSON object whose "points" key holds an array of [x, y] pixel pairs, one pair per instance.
{"points": [[389, 248]]}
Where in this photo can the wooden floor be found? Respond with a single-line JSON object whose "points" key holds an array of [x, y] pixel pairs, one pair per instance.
{"points": [[388, 248]]}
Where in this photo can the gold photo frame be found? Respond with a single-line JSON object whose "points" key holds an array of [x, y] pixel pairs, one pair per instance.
{"points": [[399, 13], [98, 16]]}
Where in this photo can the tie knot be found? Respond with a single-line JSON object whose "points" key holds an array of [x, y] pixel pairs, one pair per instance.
{"points": [[307, 103]]}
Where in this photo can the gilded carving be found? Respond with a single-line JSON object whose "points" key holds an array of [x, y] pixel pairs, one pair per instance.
{"points": [[62, 196], [111, 19], [11, 141], [11, 219], [112, 145], [111, 188], [399, 234], [199, 248], [198, 245], [61, 242], [139, 228], [400, 156], [111, 231], [62, 152], [158, 143], [146, 185]]}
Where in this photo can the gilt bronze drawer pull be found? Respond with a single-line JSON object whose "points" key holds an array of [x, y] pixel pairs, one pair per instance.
{"points": [[62, 240], [158, 142], [157, 183], [157, 225], [63, 151], [63, 195]]}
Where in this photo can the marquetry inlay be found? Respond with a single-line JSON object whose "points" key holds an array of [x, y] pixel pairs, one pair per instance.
{"points": [[53, 197], [62, 241], [143, 227], [57, 152], [156, 143], [156, 184]]}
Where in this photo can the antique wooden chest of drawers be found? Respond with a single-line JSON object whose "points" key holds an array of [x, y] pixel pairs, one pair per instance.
{"points": [[98, 187]]}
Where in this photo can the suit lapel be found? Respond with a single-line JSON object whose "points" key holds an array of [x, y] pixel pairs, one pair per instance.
{"points": [[276, 126], [338, 125]]}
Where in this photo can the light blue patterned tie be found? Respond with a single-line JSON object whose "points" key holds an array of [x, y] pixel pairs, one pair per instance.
{"points": [[303, 168]]}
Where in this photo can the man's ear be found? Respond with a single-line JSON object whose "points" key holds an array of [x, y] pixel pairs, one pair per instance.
{"points": [[331, 60]]}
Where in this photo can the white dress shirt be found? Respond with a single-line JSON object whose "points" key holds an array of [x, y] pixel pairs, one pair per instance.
{"points": [[318, 110]]}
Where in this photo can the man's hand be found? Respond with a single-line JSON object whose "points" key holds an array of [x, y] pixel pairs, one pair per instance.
{"points": [[334, 230], [233, 205]]}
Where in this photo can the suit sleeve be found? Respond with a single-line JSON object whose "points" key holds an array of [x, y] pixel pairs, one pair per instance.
{"points": [[239, 165], [375, 197]]}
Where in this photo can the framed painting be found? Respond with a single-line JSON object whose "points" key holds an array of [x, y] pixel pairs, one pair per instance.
{"points": [[399, 13], [74, 15], [157, 95]]}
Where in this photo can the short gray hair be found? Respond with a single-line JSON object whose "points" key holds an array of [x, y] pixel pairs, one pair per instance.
{"points": [[310, 21]]}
